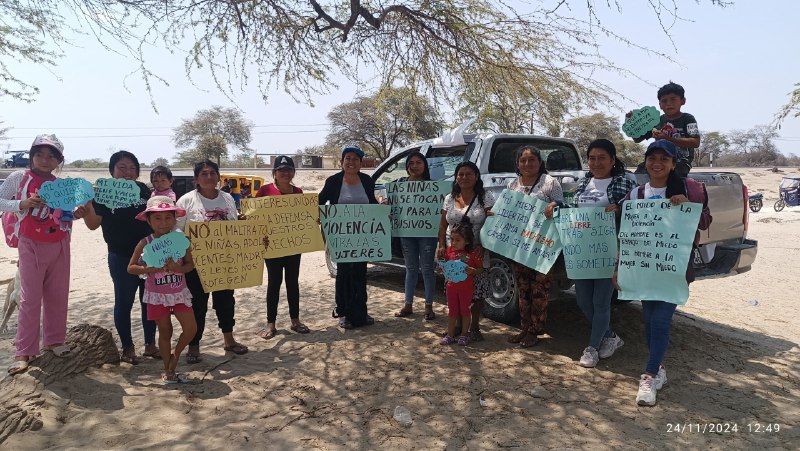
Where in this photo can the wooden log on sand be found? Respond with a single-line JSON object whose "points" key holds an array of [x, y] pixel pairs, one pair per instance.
{"points": [[21, 395]]}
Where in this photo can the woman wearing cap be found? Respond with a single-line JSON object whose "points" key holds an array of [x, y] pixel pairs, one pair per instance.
{"points": [[121, 232], [44, 255], [605, 185], [419, 252], [207, 203], [281, 268], [350, 186], [660, 161]]}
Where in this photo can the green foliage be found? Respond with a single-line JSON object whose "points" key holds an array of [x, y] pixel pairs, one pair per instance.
{"points": [[88, 164], [160, 161], [585, 129], [383, 122], [209, 133]]}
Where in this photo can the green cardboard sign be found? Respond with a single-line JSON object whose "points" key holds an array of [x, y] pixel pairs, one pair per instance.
{"points": [[171, 245], [417, 207], [641, 121], [589, 240], [357, 232], [117, 193]]}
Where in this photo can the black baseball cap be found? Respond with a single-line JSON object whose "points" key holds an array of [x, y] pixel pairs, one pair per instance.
{"points": [[283, 162]]}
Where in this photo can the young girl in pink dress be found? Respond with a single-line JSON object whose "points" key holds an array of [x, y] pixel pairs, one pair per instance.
{"points": [[165, 290]]}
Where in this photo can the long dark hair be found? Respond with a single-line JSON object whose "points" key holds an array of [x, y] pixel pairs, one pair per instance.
{"points": [[116, 156], [465, 230], [535, 151], [426, 174], [479, 190], [611, 150]]}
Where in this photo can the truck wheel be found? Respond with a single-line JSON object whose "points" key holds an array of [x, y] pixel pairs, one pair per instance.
{"points": [[330, 263], [780, 204], [501, 305]]}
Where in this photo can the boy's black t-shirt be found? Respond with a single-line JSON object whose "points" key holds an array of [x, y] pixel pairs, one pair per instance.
{"points": [[684, 126], [121, 230]]}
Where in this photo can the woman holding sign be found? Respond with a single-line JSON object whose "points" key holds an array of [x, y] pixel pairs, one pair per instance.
{"points": [[660, 162], [122, 232], [287, 267], [418, 252], [468, 203], [605, 185], [350, 186], [533, 286], [207, 203]]}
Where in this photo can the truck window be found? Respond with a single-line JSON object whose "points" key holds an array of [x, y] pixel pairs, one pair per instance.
{"points": [[395, 169], [557, 156], [442, 161]]}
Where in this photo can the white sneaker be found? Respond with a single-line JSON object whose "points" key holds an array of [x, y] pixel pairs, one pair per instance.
{"points": [[661, 378], [609, 345], [647, 391], [589, 358]]}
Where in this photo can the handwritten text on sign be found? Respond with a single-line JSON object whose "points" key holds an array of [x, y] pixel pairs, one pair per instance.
{"points": [[171, 245], [228, 254], [641, 121], [416, 207], [357, 233], [67, 193], [519, 230], [291, 221], [655, 243], [117, 193], [454, 270], [589, 238]]}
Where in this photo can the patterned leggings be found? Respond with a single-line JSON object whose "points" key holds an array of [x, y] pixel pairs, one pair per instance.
{"points": [[534, 294]]}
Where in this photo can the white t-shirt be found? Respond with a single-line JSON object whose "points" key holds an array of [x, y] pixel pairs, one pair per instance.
{"points": [[654, 193], [200, 209], [595, 194]]}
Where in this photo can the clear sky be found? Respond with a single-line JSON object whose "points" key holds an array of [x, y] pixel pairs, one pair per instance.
{"points": [[738, 65]]}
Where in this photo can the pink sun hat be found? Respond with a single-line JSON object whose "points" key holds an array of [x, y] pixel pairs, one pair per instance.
{"points": [[161, 203]]}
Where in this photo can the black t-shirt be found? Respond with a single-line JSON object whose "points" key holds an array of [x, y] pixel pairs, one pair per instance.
{"points": [[684, 126], [121, 230]]}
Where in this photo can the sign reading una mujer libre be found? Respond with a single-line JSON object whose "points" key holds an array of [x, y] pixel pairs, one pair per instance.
{"points": [[291, 221], [417, 207], [357, 232], [655, 243], [589, 238], [519, 230]]}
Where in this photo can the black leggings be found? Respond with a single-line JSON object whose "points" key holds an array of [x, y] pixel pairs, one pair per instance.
{"points": [[223, 304], [351, 292], [276, 268]]}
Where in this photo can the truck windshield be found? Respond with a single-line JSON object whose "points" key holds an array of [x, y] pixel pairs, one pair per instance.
{"points": [[558, 156]]}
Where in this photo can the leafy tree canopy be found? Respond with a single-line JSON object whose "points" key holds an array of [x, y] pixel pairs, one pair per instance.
{"points": [[209, 133]]}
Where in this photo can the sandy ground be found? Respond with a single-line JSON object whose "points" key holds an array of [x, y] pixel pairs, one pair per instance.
{"points": [[731, 361]]}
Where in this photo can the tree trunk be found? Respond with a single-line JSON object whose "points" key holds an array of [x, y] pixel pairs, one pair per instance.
{"points": [[21, 395]]}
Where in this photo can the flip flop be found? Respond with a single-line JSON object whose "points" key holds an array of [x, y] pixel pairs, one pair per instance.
{"points": [[169, 378], [267, 334], [300, 328], [19, 366], [61, 350], [236, 348]]}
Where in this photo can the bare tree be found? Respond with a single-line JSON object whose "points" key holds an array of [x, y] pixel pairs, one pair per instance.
{"points": [[209, 133]]}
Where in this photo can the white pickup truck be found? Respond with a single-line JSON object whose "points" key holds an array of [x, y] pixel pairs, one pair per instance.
{"points": [[724, 248]]}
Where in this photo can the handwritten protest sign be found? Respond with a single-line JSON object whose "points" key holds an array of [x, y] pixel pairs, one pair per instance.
{"points": [[641, 121], [357, 233], [66, 194], [117, 193], [291, 221], [171, 245], [519, 230], [589, 240], [655, 243], [228, 254], [454, 270], [416, 207]]}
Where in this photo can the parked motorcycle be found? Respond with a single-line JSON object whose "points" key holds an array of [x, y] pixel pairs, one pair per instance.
{"points": [[756, 202]]}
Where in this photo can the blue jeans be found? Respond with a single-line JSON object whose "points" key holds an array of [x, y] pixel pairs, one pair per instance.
{"points": [[657, 323], [419, 254], [125, 288], [594, 299]]}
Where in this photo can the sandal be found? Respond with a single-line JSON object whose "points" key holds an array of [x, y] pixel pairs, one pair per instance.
{"points": [[169, 378], [528, 341], [19, 366], [447, 340], [475, 336], [429, 314], [236, 348], [61, 350], [334, 314], [407, 310], [345, 324], [300, 328], [129, 356], [463, 340], [369, 321], [152, 351], [267, 334], [515, 339], [193, 355]]}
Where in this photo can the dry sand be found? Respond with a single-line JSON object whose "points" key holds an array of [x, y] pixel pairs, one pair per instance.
{"points": [[731, 361]]}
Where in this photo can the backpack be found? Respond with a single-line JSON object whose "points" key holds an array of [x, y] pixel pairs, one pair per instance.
{"points": [[11, 220]]}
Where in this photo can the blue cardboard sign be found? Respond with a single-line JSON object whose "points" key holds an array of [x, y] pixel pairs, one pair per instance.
{"points": [[655, 243], [117, 193], [589, 240], [453, 270], [171, 245], [66, 194], [520, 231]]}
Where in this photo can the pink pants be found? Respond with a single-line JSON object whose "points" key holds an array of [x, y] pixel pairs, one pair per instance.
{"points": [[44, 280]]}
